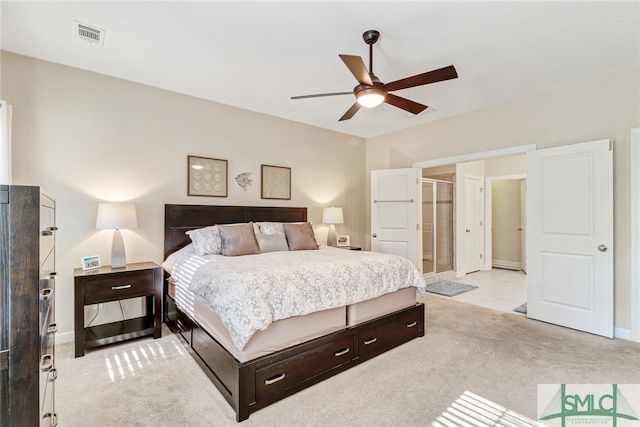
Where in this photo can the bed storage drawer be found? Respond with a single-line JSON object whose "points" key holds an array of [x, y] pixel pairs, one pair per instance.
{"points": [[177, 320], [297, 369], [382, 337], [183, 325], [220, 363]]}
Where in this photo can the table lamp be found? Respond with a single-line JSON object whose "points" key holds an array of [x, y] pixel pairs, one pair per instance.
{"points": [[332, 216], [116, 216]]}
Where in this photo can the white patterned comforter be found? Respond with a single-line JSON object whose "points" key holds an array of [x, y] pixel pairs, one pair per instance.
{"points": [[251, 291]]}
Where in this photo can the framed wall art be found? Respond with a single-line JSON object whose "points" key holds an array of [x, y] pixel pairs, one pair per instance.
{"points": [[206, 177], [276, 182]]}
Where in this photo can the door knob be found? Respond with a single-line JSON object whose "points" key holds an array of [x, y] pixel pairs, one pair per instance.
{"points": [[374, 235], [602, 248]]}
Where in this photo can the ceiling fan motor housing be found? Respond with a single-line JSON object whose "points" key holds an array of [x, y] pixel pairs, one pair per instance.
{"points": [[371, 36]]}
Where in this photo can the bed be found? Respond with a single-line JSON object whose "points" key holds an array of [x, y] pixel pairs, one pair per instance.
{"points": [[292, 353]]}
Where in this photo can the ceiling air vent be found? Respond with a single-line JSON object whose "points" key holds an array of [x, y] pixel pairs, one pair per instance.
{"points": [[90, 34]]}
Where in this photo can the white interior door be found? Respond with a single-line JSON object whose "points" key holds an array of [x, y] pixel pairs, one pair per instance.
{"points": [[473, 222], [394, 213], [523, 225], [570, 236]]}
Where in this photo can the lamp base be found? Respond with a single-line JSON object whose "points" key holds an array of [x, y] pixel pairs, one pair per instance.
{"points": [[332, 238], [118, 258]]}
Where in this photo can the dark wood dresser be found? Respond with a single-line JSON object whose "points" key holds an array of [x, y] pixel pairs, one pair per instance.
{"points": [[27, 307]]}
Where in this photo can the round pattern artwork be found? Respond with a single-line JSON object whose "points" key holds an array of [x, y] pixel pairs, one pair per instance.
{"points": [[207, 177]]}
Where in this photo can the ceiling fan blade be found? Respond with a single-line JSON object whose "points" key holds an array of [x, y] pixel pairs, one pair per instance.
{"points": [[405, 104], [350, 112], [357, 68], [318, 95], [434, 76]]}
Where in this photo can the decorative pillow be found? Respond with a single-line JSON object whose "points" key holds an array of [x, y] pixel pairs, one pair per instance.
{"points": [[238, 239], [268, 228], [314, 234], [206, 241], [270, 236], [300, 236], [272, 242]]}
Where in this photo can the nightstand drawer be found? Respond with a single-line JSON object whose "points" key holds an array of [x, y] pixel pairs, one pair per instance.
{"points": [[105, 288]]}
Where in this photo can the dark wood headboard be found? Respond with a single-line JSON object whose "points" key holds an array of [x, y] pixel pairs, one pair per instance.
{"points": [[180, 218]]}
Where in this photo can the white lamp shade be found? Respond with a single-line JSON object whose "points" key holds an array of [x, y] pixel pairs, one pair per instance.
{"points": [[114, 216], [332, 216]]}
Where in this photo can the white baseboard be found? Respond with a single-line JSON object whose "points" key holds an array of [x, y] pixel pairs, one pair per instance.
{"points": [[507, 265], [625, 334], [65, 337]]}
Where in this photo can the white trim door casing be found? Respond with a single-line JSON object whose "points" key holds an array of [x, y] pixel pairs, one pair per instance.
{"points": [[523, 225], [394, 213], [635, 231], [570, 236]]}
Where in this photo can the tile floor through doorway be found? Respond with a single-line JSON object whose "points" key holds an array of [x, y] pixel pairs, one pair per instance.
{"points": [[499, 289]]}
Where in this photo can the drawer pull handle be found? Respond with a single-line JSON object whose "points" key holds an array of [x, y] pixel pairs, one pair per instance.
{"points": [[53, 416], [275, 379], [117, 288], [46, 294], [53, 375], [53, 274], [412, 324], [370, 341], [53, 328], [46, 362], [341, 352], [54, 228]]}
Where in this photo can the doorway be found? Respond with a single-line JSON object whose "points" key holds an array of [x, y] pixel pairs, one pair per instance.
{"points": [[506, 222], [501, 285], [437, 226]]}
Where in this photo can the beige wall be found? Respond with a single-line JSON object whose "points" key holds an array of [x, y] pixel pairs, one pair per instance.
{"points": [[503, 166], [88, 138], [505, 222], [604, 107]]}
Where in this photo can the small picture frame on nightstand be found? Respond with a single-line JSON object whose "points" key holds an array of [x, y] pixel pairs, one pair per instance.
{"points": [[90, 262], [343, 240]]}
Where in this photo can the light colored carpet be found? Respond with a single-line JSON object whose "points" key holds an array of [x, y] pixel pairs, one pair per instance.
{"points": [[498, 355]]}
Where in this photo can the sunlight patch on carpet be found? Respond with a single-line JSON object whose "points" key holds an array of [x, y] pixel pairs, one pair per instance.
{"points": [[472, 410]]}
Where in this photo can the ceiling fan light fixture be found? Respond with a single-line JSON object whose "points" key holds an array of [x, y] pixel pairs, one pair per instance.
{"points": [[371, 97]]}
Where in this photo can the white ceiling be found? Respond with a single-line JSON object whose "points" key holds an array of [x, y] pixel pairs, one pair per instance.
{"points": [[255, 55]]}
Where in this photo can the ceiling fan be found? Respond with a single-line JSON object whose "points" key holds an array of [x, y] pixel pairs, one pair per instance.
{"points": [[371, 92]]}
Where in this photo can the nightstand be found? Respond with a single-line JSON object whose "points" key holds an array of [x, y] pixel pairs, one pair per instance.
{"points": [[106, 284]]}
